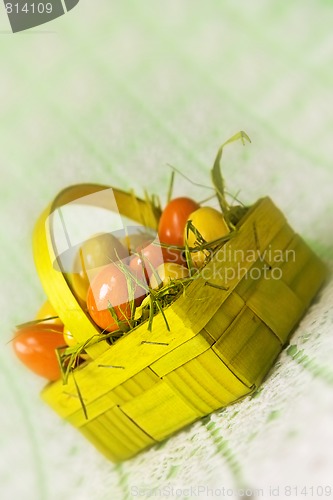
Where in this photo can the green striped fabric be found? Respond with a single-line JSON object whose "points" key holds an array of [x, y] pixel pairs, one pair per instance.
{"points": [[114, 92]]}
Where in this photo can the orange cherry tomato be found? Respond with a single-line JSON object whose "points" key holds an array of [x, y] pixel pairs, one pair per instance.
{"points": [[35, 347], [173, 220], [110, 286], [152, 255], [149, 255], [47, 311]]}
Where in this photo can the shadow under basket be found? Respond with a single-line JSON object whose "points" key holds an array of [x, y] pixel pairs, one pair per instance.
{"points": [[225, 332]]}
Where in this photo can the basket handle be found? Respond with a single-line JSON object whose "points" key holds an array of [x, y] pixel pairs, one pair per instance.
{"points": [[54, 282]]}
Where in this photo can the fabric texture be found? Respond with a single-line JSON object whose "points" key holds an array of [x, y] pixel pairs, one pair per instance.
{"points": [[113, 93]]}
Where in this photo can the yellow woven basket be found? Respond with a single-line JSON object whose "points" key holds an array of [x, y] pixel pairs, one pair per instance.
{"points": [[224, 337]]}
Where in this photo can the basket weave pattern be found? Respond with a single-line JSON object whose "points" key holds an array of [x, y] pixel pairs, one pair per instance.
{"points": [[223, 340]]}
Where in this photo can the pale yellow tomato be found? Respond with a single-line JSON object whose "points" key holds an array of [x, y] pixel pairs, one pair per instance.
{"points": [[94, 253], [71, 342], [167, 272], [211, 225], [132, 241], [47, 311]]}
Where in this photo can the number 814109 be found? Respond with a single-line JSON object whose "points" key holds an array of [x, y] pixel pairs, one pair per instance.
{"points": [[29, 8]]}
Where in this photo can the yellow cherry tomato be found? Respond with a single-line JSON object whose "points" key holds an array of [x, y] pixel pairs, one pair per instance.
{"points": [[69, 339], [211, 225], [98, 251], [167, 272], [47, 311]]}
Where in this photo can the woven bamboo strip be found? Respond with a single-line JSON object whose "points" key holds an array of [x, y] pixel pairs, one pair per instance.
{"points": [[308, 280], [183, 353], [111, 438], [225, 315], [242, 346], [160, 411], [207, 383], [134, 386], [116, 444], [277, 306], [127, 391], [93, 409], [125, 429], [92, 434], [279, 244]]}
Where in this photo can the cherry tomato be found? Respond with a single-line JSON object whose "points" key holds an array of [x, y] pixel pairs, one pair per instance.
{"points": [[71, 341], [211, 225], [149, 255], [94, 253], [68, 337], [47, 311], [35, 347], [110, 286], [133, 241], [174, 255], [166, 273], [173, 220]]}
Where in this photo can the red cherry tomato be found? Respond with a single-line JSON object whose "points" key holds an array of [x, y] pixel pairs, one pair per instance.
{"points": [[35, 347], [173, 220], [110, 286]]}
